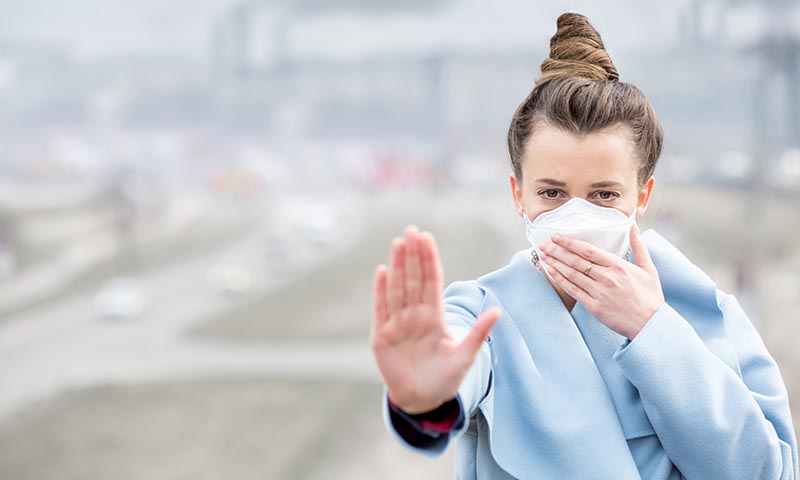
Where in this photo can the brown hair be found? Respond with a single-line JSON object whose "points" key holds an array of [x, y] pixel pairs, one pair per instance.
{"points": [[579, 91]]}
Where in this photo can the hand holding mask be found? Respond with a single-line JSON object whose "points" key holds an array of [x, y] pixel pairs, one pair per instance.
{"points": [[579, 246]]}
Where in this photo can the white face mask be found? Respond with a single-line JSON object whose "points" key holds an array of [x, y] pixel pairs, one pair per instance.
{"points": [[604, 227]]}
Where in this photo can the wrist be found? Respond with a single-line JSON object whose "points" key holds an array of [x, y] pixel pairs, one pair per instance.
{"points": [[638, 326], [417, 409], [442, 415]]}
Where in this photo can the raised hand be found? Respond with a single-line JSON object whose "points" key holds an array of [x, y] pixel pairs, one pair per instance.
{"points": [[421, 362]]}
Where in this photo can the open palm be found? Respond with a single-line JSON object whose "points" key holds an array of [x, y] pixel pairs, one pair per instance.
{"points": [[421, 362]]}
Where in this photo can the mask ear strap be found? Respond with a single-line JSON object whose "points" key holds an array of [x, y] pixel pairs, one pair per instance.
{"points": [[526, 217], [628, 252], [534, 255]]}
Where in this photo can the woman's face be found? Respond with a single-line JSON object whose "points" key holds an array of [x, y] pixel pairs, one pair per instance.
{"points": [[600, 167]]}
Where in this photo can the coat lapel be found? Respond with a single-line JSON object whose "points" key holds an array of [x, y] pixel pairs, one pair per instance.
{"points": [[603, 343], [556, 417]]}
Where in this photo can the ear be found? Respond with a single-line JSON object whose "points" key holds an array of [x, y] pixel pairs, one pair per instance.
{"points": [[516, 194], [643, 199]]}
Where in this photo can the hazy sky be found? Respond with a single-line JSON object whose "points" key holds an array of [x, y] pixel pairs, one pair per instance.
{"points": [[92, 28], [100, 27]]}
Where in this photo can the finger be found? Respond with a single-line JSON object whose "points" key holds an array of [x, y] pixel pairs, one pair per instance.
{"points": [[380, 305], [572, 290], [596, 255], [641, 255], [431, 269], [395, 282], [413, 274], [567, 257], [586, 283], [480, 330]]}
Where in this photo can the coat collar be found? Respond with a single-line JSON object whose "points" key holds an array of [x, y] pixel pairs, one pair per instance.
{"points": [[555, 409]]}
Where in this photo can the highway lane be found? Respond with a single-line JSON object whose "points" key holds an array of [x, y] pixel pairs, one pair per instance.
{"points": [[64, 344]]}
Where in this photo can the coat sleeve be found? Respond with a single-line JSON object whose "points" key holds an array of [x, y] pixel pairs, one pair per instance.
{"points": [[712, 422], [463, 302]]}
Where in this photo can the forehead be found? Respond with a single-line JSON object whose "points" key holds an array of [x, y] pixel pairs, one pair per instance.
{"points": [[605, 155]]}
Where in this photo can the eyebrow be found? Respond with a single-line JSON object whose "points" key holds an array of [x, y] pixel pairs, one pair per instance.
{"points": [[550, 181], [607, 183], [557, 183]]}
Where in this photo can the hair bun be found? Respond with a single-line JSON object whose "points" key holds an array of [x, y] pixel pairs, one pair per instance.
{"points": [[576, 49]]}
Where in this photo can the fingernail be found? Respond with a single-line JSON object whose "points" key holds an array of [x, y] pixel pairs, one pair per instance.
{"points": [[556, 238]]}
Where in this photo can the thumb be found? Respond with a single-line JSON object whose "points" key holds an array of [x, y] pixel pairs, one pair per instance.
{"points": [[640, 253], [472, 342]]}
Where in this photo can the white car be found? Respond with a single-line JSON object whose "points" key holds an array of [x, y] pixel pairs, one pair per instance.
{"points": [[119, 299], [321, 230]]}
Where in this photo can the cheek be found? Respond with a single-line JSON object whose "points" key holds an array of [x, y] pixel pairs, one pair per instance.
{"points": [[534, 207], [628, 208]]}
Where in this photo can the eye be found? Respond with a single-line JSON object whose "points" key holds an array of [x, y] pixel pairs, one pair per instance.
{"points": [[549, 193], [607, 195]]}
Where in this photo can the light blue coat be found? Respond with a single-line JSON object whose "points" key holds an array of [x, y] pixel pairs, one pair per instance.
{"points": [[555, 394]]}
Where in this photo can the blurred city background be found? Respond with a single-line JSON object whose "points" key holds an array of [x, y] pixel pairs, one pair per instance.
{"points": [[194, 195]]}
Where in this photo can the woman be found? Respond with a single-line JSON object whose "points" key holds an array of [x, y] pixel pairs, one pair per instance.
{"points": [[598, 353]]}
